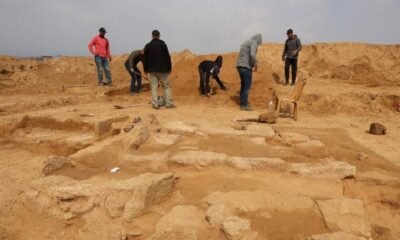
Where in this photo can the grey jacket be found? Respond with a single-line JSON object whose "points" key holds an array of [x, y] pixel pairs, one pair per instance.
{"points": [[248, 52], [291, 45]]}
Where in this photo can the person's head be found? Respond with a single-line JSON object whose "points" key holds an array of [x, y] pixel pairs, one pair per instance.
{"points": [[102, 32], [289, 33], [141, 51], [218, 61], [155, 34]]}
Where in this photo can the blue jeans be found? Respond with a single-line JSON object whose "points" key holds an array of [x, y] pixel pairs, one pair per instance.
{"points": [[246, 76], [103, 64], [136, 80]]}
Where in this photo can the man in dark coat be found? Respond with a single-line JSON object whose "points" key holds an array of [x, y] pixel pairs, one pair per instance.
{"points": [[208, 68]]}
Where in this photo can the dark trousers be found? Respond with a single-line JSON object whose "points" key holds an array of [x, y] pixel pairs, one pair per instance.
{"points": [[246, 76], [205, 82], [136, 80], [291, 62]]}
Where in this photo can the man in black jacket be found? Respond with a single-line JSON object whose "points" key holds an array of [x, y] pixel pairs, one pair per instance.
{"points": [[157, 63], [131, 66], [208, 68], [290, 55]]}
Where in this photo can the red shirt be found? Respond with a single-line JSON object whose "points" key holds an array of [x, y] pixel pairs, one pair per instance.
{"points": [[101, 47]]}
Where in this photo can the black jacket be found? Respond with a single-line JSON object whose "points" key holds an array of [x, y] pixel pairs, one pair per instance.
{"points": [[156, 58], [207, 65]]}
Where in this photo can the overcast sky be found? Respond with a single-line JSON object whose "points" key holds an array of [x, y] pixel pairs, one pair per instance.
{"points": [[50, 27]]}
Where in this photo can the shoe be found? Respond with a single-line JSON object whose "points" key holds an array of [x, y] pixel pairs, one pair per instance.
{"points": [[245, 108], [225, 89], [133, 93], [156, 107], [292, 84], [101, 84], [110, 84], [170, 106], [285, 84]]}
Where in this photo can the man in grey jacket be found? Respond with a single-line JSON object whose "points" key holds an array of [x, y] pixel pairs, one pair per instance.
{"points": [[247, 61], [290, 55]]}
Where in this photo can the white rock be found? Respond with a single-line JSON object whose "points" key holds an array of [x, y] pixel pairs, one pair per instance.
{"points": [[347, 215], [253, 162], [256, 201], [313, 148], [236, 228], [181, 223], [180, 128], [326, 169], [55, 163], [199, 158], [166, 139], [259, 141], [152, 161], [65, 198]]}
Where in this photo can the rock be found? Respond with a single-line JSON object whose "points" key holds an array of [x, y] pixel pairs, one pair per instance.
{"points": [[236, 228], [362, 156], [268, 117], [347, 215], [136, 138], [54, 163], [257, 201], [259, 141], [180, 128], [102, 127], [199, 158], [65, 198], [166, 139], [327, 169], [294, 138], [336, 236], [377, 129], [312, 148], [151, 161], [252, 163], [181, 223], [128, 128], [219, 211], [377, 178]]}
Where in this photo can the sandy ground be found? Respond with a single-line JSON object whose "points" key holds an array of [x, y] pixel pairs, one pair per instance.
{"points": [[54, 107]]}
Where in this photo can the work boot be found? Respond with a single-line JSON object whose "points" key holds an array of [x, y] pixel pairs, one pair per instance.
{"points": [[246, 108]]}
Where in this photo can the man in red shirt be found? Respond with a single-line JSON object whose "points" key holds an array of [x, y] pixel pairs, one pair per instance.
{"points": [[100, 48]]}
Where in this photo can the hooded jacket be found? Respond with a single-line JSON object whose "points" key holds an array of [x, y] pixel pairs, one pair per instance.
{"points": [[211, 67], [248, 52]]}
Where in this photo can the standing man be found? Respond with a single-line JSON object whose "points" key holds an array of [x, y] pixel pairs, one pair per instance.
{"points": [[290, 55], [208, 68], [157, 63], [131, 66], [101, 52], [247, 61]]}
